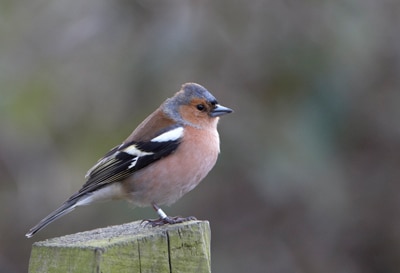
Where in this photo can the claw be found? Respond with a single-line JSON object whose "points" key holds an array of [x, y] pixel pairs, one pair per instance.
{"points": [[167, 220]]}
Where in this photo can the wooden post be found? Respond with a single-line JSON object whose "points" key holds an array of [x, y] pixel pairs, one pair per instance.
{"points": [[131, 247]]}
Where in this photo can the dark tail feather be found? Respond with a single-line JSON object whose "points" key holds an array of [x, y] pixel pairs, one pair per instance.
{"points": [[67, 207]]}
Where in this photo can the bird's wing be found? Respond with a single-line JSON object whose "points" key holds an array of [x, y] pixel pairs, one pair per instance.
{"points": [[127, 158]]}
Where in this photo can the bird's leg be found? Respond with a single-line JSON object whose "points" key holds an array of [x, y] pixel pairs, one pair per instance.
{"points": [[165, 219]]}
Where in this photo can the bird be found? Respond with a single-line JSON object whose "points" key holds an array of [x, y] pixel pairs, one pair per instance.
{"points": [[165, 157]]}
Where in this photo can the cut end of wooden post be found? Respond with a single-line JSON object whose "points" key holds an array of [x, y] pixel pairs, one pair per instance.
{"points": [[131, 247]]}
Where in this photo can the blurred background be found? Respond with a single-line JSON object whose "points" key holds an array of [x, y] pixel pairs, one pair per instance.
{"points": [[308, 177]]}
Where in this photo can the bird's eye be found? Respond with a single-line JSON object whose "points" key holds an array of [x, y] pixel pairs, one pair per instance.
{"points": [[200, 107]]}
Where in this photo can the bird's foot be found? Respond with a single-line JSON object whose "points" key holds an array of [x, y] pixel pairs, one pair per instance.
{"points": [[167, 220]]}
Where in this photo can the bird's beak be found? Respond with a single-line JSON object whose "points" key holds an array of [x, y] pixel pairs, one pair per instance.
{"points": [[220, 110]]}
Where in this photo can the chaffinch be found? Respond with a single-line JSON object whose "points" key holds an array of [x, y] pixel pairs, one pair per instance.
{"points": [[165, 157]]}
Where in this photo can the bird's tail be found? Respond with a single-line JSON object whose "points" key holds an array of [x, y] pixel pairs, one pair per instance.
{"points": [[67, 207]]}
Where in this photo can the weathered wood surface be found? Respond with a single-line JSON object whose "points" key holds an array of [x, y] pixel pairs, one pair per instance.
{"points": [[131, 247]]}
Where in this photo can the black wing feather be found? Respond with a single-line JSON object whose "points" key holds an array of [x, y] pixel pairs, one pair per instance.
{"points": [[118, 164], [160, 149]]}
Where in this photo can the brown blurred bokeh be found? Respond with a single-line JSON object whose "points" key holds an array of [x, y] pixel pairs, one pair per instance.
{"points": [[308, 177]]}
